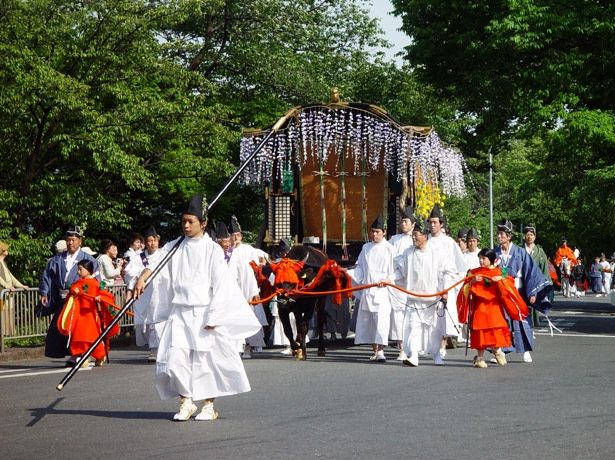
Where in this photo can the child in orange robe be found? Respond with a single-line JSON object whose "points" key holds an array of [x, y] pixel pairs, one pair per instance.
{"points": [[81, 318], [481, 304]]}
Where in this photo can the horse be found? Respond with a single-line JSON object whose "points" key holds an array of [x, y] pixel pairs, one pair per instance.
{"points": [[565, 268], [318, 274]]}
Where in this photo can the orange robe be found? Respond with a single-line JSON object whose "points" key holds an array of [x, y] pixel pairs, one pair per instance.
{"points": [[81, 319], [481, 304], [564, 252]]}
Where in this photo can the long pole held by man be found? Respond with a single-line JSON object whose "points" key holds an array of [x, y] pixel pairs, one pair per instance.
{"points": [[170, 254]]}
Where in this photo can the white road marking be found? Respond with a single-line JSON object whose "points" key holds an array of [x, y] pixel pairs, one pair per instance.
{"points": [[54, 371], [6, 371], [557, 334]]}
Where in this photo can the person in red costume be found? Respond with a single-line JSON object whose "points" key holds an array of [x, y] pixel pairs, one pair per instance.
{"points": [[564, 251], [480, 304], [85, 314]]}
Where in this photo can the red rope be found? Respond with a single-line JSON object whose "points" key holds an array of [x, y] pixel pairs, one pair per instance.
{"points": [[300, 292]]}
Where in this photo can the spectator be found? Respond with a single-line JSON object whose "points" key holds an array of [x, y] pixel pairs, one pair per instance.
{"points": [[110, 266], [132, 266], [8, 281]]}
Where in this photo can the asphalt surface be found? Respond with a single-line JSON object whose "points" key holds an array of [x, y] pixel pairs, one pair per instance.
{"points": [[341, 406]]}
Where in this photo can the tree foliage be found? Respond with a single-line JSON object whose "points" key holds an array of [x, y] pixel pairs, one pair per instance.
{"points": [[113, 112], [537, 78]]}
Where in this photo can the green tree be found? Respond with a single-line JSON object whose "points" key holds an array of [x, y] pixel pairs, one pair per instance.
{"points": [[534, 71], [115, 111]]}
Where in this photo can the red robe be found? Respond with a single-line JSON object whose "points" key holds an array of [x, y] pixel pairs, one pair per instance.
{"points": [[564, 252], [481, 304], [81, 319]]}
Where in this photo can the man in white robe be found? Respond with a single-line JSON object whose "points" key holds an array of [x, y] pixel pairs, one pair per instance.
{"points": [[422, 270], [374, 265], [206, 314], [401, 242], [239, 265], [147, 332], [471, 255], [448, 248]]}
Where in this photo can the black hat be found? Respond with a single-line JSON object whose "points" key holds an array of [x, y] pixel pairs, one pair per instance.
{"points": [[436, 213], [529, 228], [74, 230], [151, 231], [222, 231], [422, 227], [463, 233], [197, 207], [378, 224], [211, 232], [473, 234], [506, 226], [235, 227], [285, 245], [408, 213]]}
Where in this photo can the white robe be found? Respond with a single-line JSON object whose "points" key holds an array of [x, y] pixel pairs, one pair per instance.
{"points": [[132, 270], [196, 289], [147, 332], [471, 259], [400, 242], [374, 264], [239, 263], [449, 249], [423, 272]]}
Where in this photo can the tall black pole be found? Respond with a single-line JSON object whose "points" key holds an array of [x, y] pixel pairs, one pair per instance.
{"points": [[69, 375]]}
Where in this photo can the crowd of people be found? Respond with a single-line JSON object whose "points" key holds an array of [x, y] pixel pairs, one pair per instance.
{"points": [[203, 314], [576, 278]]}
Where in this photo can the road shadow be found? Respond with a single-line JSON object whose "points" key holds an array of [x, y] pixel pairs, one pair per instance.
{"points": [[38, 413]]}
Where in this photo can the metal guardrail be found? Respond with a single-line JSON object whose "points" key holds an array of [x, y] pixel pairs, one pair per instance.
{"points": [[18, 320]]}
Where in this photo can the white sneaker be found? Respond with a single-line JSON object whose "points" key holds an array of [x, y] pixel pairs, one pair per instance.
{"points": [[350, 335], [442, 353], [380, 358], [527, 357], [246, 355], [401, 356], [287, 351], [186, 409], [207, 413], [437, 359], [412, 360]]}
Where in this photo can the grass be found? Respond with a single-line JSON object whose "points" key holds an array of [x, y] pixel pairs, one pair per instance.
{"points": [[25, 342]]}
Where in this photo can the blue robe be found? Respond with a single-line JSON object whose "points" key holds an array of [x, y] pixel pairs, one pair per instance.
{"points": [[52, 281], [522, 267]]}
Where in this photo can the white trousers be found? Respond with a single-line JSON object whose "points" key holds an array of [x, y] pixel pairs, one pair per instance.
{"points": [[423, 329]]}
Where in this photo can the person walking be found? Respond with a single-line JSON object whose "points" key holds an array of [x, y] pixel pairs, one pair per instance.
{"points": [[374, 264], [423, 270], [56, 279], [529, 281], [206, 314], [481, 304]]}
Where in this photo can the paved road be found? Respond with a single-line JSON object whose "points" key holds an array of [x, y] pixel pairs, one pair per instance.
{"points": [[340, 406]]}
